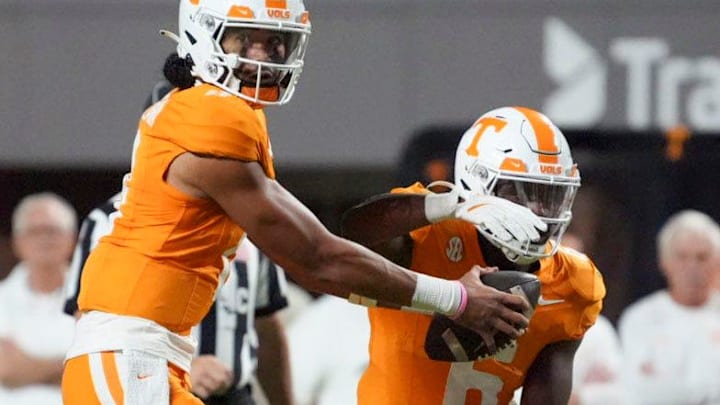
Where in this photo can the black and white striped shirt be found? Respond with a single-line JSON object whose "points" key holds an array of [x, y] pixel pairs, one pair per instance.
{"points": [[255, 288]]}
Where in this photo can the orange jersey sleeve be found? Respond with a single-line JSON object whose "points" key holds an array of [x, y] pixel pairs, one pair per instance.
{"points": [[400, 371], [207, 120], [163, 258]]}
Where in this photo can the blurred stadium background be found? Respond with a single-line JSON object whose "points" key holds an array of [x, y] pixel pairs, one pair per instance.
{"points": [[388, 86]]}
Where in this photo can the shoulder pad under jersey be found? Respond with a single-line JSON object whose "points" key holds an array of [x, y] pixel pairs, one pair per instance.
{"points": [[207, 120], [582, 274]]}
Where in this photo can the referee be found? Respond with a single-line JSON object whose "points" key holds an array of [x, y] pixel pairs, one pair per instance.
{"points": [[241, 326]]}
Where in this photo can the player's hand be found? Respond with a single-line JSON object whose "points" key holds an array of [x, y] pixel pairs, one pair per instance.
{"points": [[209, 376], [490, 311], [502, 218]]}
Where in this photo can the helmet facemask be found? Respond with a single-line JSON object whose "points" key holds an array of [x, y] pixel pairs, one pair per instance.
{"points": [[265, 78], [552, 202]]}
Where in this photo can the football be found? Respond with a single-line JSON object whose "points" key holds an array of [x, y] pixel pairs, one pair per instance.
{"points": [[448, 341]]}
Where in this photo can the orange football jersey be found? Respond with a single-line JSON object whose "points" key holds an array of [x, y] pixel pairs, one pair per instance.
{"points": [[163, 258], [401, 373]]}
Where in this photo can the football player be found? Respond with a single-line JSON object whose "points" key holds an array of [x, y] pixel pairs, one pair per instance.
{"points": [[242, 326], [201, 177], [510, 153]]}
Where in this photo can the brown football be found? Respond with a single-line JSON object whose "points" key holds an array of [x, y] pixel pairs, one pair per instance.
{"points": [[448, 341]]}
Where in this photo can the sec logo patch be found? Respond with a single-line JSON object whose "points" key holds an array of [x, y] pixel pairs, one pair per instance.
{"points": [[454, 249]]}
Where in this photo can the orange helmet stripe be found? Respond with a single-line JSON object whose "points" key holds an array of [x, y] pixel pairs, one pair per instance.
{"points": [[513, 165], [240, 12], [276, 4], [544, 135]]}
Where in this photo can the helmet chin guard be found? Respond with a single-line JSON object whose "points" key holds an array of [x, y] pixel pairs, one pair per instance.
{"points": [[516, 153], [202, 27]]}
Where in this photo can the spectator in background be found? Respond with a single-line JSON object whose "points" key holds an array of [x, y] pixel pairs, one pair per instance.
{"points": [[34, 334], [671, 338]]}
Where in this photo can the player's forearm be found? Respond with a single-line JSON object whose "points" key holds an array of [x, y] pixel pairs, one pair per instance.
{"points": [[294, 238], [384, 217], [290, 235], [345, 267], [352, 271], [273, 361]]}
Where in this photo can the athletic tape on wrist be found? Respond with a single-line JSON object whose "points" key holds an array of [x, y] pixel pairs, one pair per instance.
{"points": [[438, 295], [463, 302]]}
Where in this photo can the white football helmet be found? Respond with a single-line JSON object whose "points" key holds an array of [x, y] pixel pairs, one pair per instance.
{"points": [[202, 24], [516, 153]]}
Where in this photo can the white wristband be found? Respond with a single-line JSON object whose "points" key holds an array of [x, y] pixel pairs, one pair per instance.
{"points": [[437, 295], [440, 206]]}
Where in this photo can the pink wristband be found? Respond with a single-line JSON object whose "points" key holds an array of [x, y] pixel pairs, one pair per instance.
{"points": [[463, 302]]}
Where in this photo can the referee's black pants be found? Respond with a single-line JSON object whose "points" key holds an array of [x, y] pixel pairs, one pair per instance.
{"points": [[237, 396]]}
